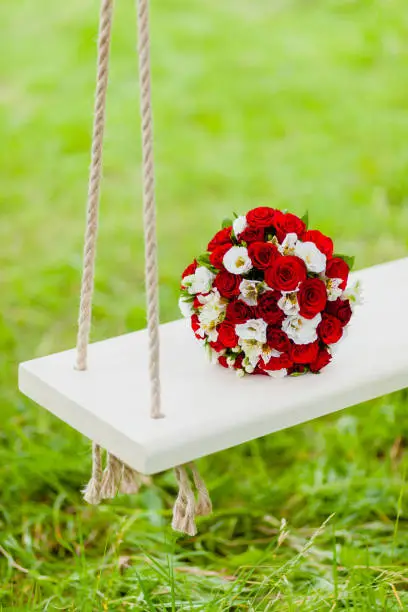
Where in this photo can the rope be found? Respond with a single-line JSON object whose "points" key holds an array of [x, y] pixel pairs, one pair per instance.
{"points": [[184, 508], [118, 476], [149, 207], [92, 491], [87, 286]]}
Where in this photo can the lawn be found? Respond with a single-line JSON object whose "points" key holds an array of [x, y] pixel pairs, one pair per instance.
{"points": [[284, 102]]}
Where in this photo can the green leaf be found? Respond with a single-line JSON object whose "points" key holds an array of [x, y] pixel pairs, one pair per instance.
{"points": [[203, 259], [187, 297], [226, 223], [235, 215], [347, 258], [305, 219]]}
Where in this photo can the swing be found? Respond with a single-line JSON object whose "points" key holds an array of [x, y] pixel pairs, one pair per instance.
{"points": [[103, 390]]}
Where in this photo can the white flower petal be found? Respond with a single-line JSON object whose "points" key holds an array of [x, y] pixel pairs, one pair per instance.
{"points": [[354, 294], [199, 282], [267, 353], [186, 307], [334, 290], [236, 260], [249, 291], [211, 313], [253, 329], [289, 303], [288, 245], [239, 224], [277, 373], [301, 330], [314, 259], [252, 350]]}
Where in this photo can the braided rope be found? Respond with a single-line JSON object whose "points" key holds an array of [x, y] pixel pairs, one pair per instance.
{"points": [[149, 207], [87, 286], [106, 485], [92, 491]]}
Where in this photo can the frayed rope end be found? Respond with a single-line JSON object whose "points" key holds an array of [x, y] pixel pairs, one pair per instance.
{"points": [[111, 478], [92, 492], [130, 481]]}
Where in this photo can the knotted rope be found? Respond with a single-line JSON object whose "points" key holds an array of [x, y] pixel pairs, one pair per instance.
{"points": [[117, 476]]}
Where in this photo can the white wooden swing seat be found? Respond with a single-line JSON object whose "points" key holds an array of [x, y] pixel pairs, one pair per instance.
{"points": [[208, 408]]}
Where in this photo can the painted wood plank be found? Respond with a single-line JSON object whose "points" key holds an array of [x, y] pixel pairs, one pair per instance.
{"points": [[208, 408]]}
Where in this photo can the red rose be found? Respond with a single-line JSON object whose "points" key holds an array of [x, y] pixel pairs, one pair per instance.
{"points": [[252, 234], [337, 268], [217, 346], [262, 254], [268, 309], [340, 309], [286, 273], [220, 238], [321, 361], [263, 216], [227, 335], [323, 243], [217, 256], [304, 353], [227, 284], [195, 326], [238, 361], [196, 303], [288, 224], [330, 329], [190, 269], [312, 297], [277, 339], [223, 361], [278, 363], [239, 312], [259, 371]]}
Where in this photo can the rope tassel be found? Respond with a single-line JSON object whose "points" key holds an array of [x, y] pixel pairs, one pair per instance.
{"points": [[111, 477], [204, 505], [92, 491], [130, 481], [184, 508]]}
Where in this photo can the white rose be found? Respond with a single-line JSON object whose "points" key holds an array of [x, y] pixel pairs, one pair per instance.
{"points": [[314, 259], [253, 329], [252, 350], [277, 373], [249, 291], [288, 245], [333, 288], [199, 282], [212, 309], [267, 353], [354, 294], [186, 307], [239, 224], [289, 304], [301, 330], [236, 260]]}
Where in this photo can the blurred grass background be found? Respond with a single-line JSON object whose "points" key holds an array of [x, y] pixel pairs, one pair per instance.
{"points": [[282, 102]]}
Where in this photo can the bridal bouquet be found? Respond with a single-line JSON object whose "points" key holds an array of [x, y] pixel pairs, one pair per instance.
{"points": [[269, 296]]}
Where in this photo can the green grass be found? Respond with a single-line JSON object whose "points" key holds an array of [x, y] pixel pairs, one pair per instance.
{"points": [[285, 102]]}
